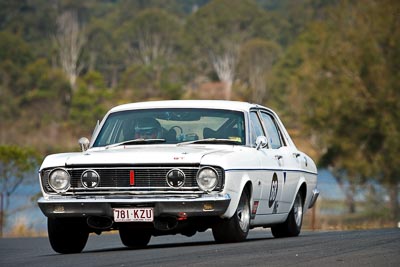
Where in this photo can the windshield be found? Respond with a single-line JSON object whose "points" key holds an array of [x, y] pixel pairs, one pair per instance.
{"points": [[171, 126]]}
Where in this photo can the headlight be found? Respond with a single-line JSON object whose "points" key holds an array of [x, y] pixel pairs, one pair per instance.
{"points": [[207, 179], [59, 180]]}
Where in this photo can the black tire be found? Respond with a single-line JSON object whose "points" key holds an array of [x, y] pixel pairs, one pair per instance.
{"points": [[292, 226], [67, 235], [237, 227], [133, 237]]}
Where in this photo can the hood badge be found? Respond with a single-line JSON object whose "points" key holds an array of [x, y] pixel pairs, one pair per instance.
{"points": [[180, 157], [175, 178], [90, 179]]}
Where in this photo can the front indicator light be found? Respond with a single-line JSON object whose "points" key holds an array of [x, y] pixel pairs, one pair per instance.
{"points": [[58, 209], [208, 207]]}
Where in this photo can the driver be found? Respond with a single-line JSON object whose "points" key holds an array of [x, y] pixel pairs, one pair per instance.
{"points": [[147, 128]]}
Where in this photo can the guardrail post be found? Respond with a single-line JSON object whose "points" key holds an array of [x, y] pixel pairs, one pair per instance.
{"points": [[1, 214]]}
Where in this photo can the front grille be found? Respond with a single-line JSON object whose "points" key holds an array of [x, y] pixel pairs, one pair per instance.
{"points": [[119, 178]]}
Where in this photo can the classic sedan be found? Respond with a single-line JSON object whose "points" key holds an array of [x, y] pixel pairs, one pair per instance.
{"points": [[178, 167]]}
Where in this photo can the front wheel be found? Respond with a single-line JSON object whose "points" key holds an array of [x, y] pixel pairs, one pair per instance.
{"points": [[292, 225], [67, 235], [237, 227]]}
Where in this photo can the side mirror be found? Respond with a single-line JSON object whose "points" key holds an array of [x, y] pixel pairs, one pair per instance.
{"points": [[84, 143], [261, 142]]}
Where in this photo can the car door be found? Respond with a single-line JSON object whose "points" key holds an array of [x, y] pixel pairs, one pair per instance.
{"points": [[287, 162], [269, 180]]}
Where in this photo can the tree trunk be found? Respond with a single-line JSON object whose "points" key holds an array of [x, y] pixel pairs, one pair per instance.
{"points": [[350, 202], [114, 77], [70, 40], [349, 192], [228, 90]]}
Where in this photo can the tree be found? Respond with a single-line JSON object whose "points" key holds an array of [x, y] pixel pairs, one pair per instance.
{"points": [[257, 58], [89, 103], [104, 52], [214, 36], [292, 18], [345, 74], [153, 36], [70, 39], [224, 65], [146, 82], [15, 54], [49, 90], [13, 47], [151, 40], [16, 166], [272, 26]]}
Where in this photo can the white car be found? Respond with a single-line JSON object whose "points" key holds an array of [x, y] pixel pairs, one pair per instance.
{"points": [[169, 167]]}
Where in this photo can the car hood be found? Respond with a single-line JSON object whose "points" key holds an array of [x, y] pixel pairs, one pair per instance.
{"points": [[149, 154]]}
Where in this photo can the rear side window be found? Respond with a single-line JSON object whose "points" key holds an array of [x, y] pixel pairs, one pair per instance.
{"points": [[272, 129]]}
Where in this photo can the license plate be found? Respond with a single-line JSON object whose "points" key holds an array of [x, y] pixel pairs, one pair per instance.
{"points": [[134, 215]]}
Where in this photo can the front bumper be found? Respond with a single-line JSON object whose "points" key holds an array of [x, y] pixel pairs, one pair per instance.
{"points": [[203, 205]]}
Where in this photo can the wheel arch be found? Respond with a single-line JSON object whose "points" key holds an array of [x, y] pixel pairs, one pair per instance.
{"points": [[249, 188], [303, 192], [245, 184], [302, 188]]}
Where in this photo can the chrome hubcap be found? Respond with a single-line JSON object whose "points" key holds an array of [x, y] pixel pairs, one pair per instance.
{"points": [[243, 214], [298, 210]]}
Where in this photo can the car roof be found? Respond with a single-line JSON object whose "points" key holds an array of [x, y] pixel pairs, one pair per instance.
{"points": [[215, 104]]}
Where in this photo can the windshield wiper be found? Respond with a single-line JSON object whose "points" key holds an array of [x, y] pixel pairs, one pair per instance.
{"points": [[137, 141], [211, 141]]}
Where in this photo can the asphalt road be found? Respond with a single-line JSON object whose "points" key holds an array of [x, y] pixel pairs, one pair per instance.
{"points": [[350, 248]]}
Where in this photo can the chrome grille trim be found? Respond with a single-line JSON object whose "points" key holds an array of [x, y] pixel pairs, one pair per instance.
{"points": [[148, 179]]}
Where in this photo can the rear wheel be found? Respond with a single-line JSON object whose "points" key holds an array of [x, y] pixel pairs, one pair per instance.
{"points": [[237, 227], [294, 221], [67, 235], [133, 237]]}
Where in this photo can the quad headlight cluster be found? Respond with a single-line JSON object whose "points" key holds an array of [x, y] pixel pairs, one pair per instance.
{"points": [[59, 180], [207, 179]]}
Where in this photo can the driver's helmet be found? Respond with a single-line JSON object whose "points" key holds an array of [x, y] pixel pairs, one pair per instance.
{"points": [[147, 128]]}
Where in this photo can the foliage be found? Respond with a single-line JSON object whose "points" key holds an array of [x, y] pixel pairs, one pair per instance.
{"points": [[14, 48], [89, 102], [151, 36], [330, 69], [256, 60], [49, 90], [14, 55], [344, 76], [147, 83], [218, 26], [15, 163]]}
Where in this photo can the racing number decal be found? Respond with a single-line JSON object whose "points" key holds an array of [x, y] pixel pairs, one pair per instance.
{"points": [[274, 190]]}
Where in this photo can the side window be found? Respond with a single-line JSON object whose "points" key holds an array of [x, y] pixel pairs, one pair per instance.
{"points": [[256, 126], [273, 131]]}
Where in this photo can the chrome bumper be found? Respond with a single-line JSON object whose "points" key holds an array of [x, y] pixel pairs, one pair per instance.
{"points": [[204, 205], [313, 198]]}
